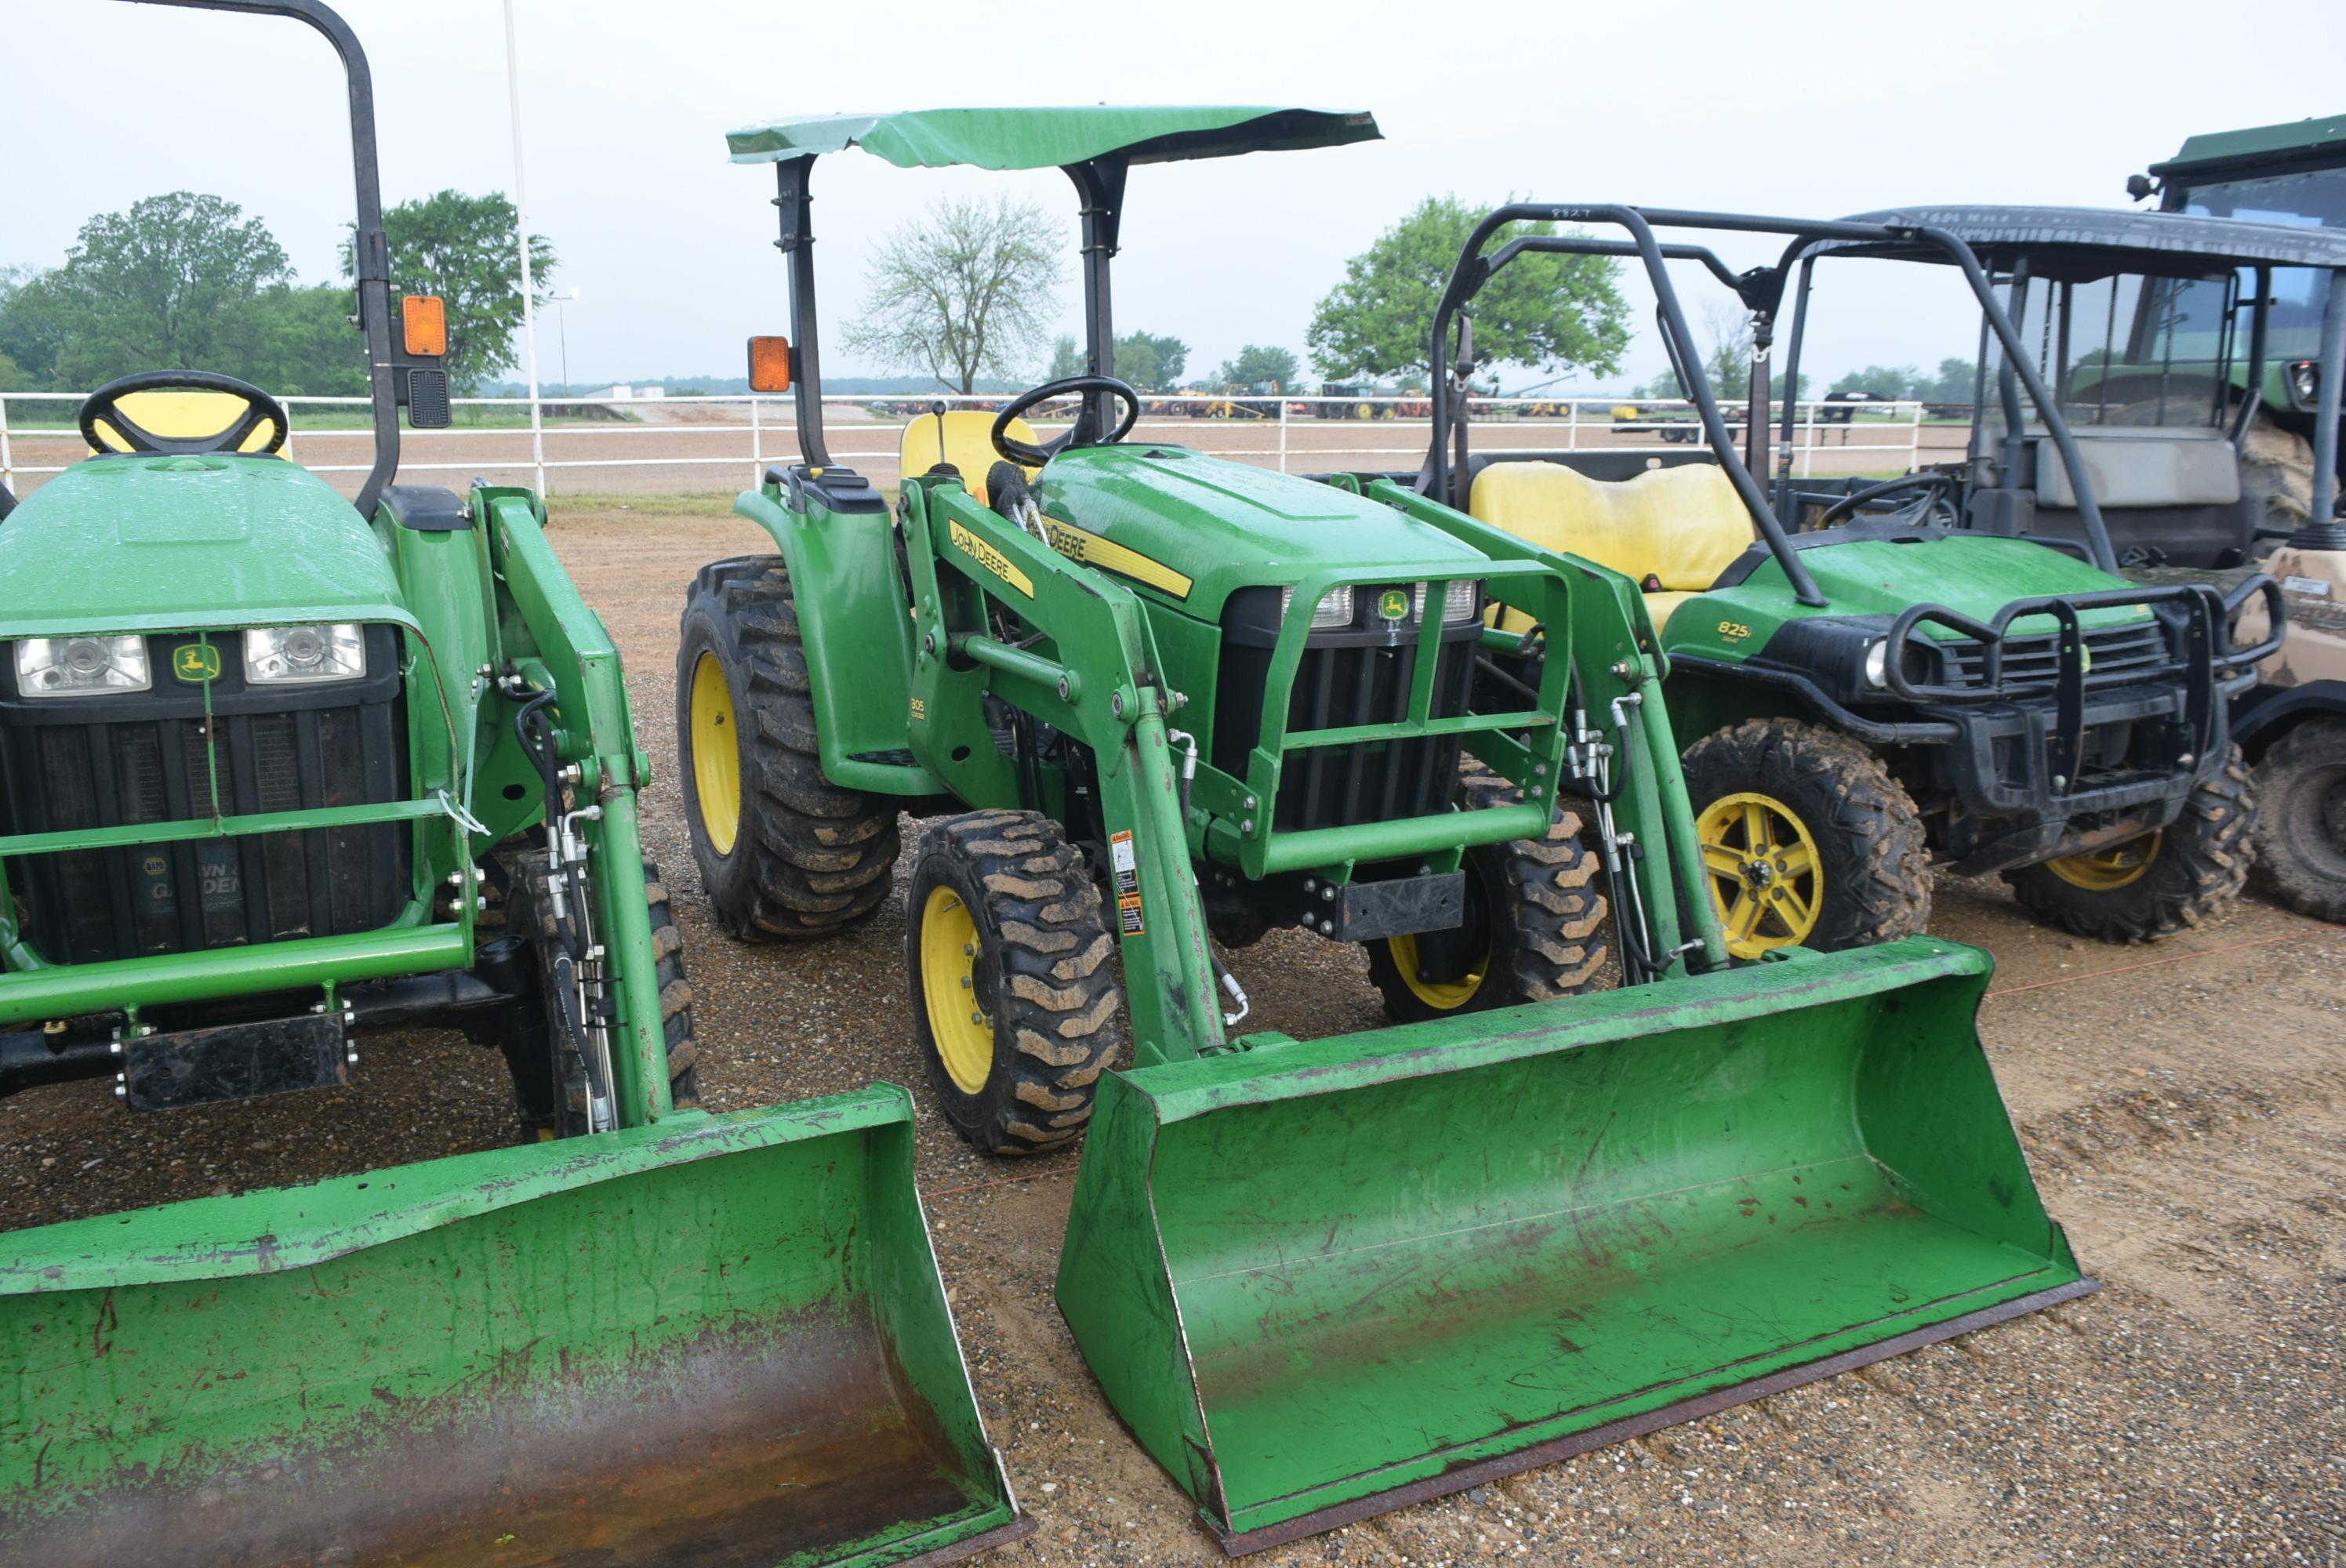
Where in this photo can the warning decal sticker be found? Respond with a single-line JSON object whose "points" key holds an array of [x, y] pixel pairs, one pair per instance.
{"points": [[1126, 868]]}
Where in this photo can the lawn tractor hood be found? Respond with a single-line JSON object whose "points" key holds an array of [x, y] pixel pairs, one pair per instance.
{"points": [[1193, 529], [188, 543], [1973, 575]]}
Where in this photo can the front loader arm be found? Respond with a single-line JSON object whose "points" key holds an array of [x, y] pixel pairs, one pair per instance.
{"points": [[1089, 668], [1618, 666], [597, 736]]}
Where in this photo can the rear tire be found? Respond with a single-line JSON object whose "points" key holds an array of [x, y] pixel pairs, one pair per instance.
{"points": [[1838, 859], [783, 851], [1532, 929], [2300, 824], [1013, 995], [547, 1057], [2157, 885]]}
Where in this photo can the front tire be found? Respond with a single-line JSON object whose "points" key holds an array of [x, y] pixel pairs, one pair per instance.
{"points": [[2160, 883], [1532, 929], [1013, 994], [783, 853], [2300, 832], [1805, 838]]}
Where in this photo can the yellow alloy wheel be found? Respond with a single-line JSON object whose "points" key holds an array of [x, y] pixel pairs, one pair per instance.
{"points": [[963, 1034], [2106, 871], [1764, 874], [716, 755], [1448, 995]]}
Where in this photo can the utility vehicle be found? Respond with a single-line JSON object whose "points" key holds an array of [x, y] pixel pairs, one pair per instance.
{"points": [[1881, 675], [1317, 1280], [278, 771]]}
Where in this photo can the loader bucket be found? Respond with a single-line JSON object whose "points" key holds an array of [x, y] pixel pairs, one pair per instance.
{"points": [[1322, 1280], [720, 1341]]}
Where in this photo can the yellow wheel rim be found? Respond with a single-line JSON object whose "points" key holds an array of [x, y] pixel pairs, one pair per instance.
{"points": [[2106, 871], [1765, 878], [716, 755], [963, 1034], [1448, 995]]}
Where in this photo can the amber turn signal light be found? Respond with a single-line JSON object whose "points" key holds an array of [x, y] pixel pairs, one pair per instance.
{"points": [[424, 324], [770, 364]]}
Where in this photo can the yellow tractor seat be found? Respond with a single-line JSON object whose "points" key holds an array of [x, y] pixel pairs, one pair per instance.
{"points": [[177, 415], [1679, 526], [962, 437]]}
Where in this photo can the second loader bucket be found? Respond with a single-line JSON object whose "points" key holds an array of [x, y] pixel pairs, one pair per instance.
{"points": [[719, 1341], [1321, 1280]]}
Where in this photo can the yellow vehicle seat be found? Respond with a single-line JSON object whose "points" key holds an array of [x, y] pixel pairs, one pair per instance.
{"points": [[962, 437], [1678, 526], [183, 416]]}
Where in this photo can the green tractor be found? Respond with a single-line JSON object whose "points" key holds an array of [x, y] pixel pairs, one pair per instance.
{"points": [[1919, 670], [1166, 703], [279, 772]]}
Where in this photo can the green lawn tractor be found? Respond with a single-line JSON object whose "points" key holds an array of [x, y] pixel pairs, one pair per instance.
{"points": [[1167, 702], [1916, 670], [279, 772]]}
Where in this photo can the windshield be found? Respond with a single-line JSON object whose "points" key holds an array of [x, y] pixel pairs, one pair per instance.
{"points": [[2313, 198], [2131, 349]]}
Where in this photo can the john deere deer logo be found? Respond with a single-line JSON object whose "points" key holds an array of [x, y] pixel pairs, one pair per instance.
{"points": [[1394, 605], [196, 663]]}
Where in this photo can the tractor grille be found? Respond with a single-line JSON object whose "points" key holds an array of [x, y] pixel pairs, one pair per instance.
{"points": [[2139, 649], [154, 756], [1337, 688]]}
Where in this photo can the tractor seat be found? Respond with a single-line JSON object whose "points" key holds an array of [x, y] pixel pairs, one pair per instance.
{"points": [[960, 439], [1679, 526]]}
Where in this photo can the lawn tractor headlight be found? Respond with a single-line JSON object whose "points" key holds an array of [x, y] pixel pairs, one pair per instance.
{"points": [[284, 656], [1877, 664], [1334, 611], [2305, 383], [1459, 600], [81, 667]]}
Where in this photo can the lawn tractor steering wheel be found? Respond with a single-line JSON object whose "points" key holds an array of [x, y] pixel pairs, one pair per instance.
{"points": [[1939, 487], [1086, 431], [193, 438]]}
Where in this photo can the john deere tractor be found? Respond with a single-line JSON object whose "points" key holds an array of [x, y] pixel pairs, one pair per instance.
{"points": [[1159, 704], [280, 772], [1945, 666]]}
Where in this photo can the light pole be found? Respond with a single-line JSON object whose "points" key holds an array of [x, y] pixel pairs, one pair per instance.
{"points": [[562, 333]]}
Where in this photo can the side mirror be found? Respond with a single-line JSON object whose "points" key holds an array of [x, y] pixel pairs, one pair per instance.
{"points": [[770, 364], [2139, 186]]}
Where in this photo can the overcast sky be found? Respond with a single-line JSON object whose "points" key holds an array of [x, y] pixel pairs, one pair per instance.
{"points": [[1814, 109]]}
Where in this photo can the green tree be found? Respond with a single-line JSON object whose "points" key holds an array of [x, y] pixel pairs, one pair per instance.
{"points": [[963, 291], [315, 352], [1066, 359], [1256, 363], [1956, 380], [1553, 313], [1150, 361], [462, 248], [1727, 364], [1884, 381]]}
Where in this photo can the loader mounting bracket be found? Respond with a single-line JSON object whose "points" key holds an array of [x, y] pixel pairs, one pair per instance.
{"points": [[234, 1062], [1364, 912]]}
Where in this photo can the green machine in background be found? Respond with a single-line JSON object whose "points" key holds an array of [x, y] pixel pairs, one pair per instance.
{"points": [[278, 771], [1173, 701]]}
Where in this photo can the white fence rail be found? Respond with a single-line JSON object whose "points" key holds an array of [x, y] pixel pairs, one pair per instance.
{"points": [[678, 442]]}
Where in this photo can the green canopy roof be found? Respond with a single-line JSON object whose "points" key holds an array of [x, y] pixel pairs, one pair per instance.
{"points": [[1052, 139]]}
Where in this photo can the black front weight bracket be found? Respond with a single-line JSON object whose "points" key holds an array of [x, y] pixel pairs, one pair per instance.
{"points": [[234, 1062], [1363, 912]]}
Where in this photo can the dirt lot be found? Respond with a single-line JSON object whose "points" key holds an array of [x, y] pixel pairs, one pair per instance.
{"points": [[2185, 1108]]}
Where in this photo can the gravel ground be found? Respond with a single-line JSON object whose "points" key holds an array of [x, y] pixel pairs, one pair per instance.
{"points": [[2184, 1106]]}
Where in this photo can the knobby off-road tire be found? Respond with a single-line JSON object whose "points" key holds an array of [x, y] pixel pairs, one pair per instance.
{"points": [[1868, 876], [1013, 991], [783, 853], [2300, 823], [2130, 893], [1533, 930], [548, 1067]]}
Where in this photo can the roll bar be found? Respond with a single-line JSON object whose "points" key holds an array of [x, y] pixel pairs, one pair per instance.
{"points": [[1761, 291], [370, 249]]}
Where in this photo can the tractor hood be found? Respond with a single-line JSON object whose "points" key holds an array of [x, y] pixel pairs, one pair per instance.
{"points": [[183, 543], [1187, 529]]}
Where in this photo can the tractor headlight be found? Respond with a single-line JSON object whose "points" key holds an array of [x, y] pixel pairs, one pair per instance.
{"points": [[279, 656], [2305, 383], [1334, 611], [1459, 600], [81, 667], [1877, 664]]}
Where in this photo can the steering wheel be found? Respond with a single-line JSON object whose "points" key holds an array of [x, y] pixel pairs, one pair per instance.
{"points": [[1084, 431], [1940, 486], [105, 404]]}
